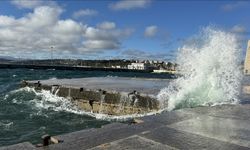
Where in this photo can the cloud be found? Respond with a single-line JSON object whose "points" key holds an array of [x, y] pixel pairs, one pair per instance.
{"points": [[233, 6], [143, 55], [150, 31], [84, 13], [129, 4], [104, 39], [30, 4], [36, 32], [239, 29], [107, 25]]}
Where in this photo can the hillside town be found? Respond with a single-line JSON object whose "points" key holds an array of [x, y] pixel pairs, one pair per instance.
{"points": [[148, 65]]}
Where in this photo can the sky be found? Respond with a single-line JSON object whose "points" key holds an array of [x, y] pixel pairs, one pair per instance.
{"points": [[122, 29]]}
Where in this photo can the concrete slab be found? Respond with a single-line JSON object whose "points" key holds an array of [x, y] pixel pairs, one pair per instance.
{"points": [[94, 137], [224, 129], [118, 84], [134, 143], [20, 146], [239, 112], [185, 140], [108, 95]]}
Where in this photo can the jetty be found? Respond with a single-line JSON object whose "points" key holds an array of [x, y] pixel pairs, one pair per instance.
{"points": [[108, 95], [67, 67]]}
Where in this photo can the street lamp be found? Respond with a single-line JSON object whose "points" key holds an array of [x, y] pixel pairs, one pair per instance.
{"points": [[51, 53]]}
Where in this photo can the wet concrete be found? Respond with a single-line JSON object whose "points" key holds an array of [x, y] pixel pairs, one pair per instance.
{"points": [[223, 127], [108, 95], [20, 146], [115, 84]]}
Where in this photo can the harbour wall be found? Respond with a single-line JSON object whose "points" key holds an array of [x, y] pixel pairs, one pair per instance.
{"points": [[61, 67], [101, 100]]}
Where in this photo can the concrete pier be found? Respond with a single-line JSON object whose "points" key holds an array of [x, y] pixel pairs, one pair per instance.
{"points": [[109, 95]]}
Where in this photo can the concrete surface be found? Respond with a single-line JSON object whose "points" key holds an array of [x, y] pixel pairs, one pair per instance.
{"points": [[20, 146], [117, 84], [225, 127], [108, 95]]}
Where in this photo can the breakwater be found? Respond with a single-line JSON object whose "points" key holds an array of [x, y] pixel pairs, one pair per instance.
{"points": [[110, 95], [64, 67]]}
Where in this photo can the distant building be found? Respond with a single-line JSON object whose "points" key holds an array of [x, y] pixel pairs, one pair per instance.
{"points": [[247, 60], [116, 67], [137, 66]]}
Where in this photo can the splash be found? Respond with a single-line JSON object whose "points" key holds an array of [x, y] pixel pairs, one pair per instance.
{"points": [[210, 72], [45, 100]]}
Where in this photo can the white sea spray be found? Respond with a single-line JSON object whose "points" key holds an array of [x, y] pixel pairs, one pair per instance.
{"points": [[210, 69]]}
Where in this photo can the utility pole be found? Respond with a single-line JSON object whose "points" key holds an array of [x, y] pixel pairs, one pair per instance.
{"points": [[51, 53]]}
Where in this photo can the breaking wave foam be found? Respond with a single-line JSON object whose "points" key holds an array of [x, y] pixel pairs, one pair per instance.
{"points": [[210, 72], [46, 100]]}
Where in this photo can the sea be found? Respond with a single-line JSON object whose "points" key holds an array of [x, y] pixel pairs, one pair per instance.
{"points": [[25, 117]]}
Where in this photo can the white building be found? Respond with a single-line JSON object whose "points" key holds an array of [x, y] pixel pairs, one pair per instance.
{"points": [[137, 66]]}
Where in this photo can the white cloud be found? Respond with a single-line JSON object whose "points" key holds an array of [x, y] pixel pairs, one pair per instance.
{"points": [[104, 39], [144, 55], [36, 32], [84, 13], [150, 31], [239, 29], [233, 6], [129, 4], [31, 3], [107, 25]]}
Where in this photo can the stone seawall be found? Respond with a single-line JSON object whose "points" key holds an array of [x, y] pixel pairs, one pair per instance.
{"points": [[102, 100]]}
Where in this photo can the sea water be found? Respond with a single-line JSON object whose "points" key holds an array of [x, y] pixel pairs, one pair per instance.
{"points": [[26, 115]]}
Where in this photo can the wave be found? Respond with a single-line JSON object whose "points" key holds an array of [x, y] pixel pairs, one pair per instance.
{"points": [[45, 100], [210, 68]]}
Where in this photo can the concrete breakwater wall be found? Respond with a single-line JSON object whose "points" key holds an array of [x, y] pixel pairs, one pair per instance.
{"points": [[64, 67], [100, 99]]}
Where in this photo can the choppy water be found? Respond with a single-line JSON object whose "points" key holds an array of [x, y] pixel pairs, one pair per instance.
{"points": [[26, 115]]}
